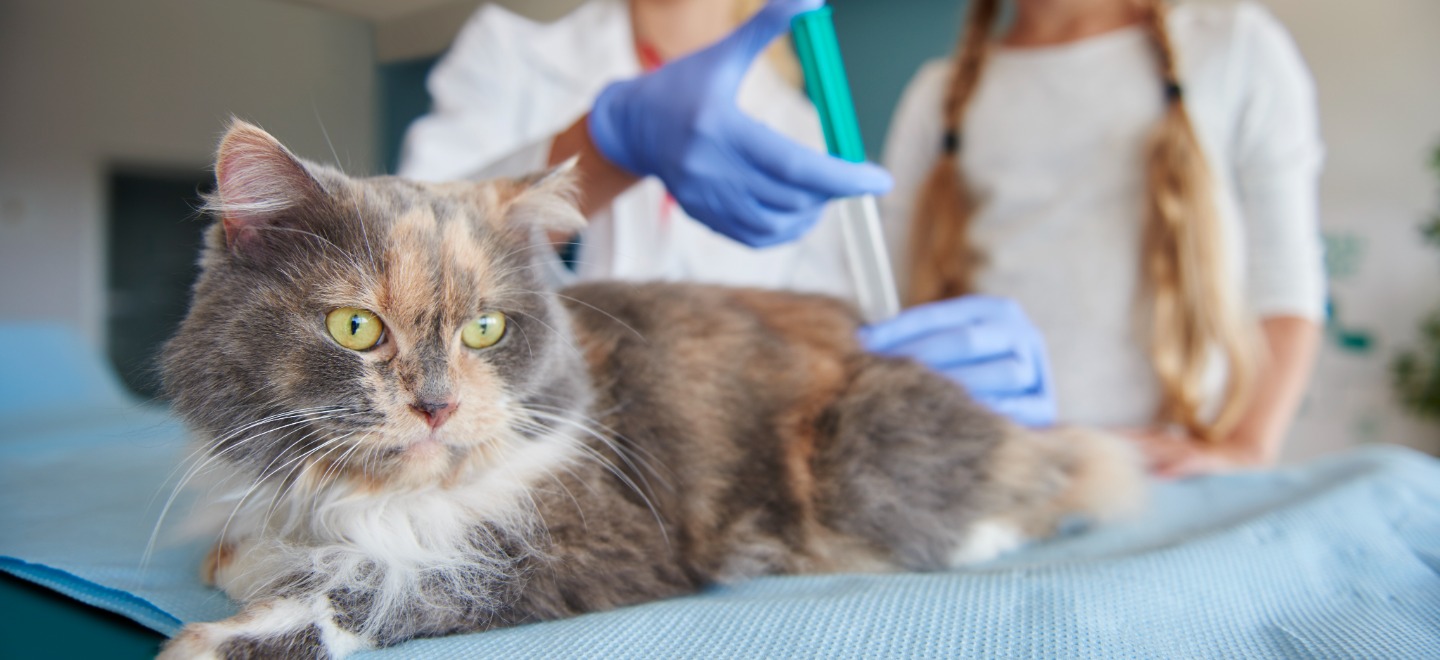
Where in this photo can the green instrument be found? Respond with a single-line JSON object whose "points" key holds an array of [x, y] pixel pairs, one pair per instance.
{"points": [[819, 52]]}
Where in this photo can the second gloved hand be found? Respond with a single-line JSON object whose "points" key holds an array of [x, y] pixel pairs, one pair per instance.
{"points": [[985, 344], [738, 177]]}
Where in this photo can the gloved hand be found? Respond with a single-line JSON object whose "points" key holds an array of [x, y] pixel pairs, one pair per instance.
{"points": [[985, 344], [738, 177]]}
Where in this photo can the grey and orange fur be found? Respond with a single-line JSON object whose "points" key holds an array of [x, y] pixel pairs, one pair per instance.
{"points": [[621, 443]]}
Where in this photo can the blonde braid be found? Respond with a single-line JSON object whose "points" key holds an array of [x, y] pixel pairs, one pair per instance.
{"points": [[1191, 306], [942, 261]]}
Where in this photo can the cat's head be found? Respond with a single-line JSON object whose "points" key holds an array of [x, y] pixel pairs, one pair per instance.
{"points": [[375, 329]]}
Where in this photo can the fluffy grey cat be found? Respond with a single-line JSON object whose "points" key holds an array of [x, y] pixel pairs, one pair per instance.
{"points": [[419, 439]]}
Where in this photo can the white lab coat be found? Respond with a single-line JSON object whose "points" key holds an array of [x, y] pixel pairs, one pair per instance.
{"points": [[508, 85]]}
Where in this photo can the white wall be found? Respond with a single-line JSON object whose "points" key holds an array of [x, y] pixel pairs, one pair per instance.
{"points": [[430, 31], [1377, 70], [88, 83]]}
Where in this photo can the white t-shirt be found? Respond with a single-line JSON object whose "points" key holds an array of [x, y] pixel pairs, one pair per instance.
{"points": [[1054, 142]]}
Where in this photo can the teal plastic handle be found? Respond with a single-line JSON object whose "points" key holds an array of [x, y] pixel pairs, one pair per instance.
{"points": [[819, 51]]}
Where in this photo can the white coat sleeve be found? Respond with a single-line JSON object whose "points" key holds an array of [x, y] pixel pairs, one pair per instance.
{"points": [[1277, 160], [911, 147], [475, 97]]}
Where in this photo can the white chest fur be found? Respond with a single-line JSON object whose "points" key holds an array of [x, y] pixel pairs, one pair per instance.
{"points": [[348, 536]]}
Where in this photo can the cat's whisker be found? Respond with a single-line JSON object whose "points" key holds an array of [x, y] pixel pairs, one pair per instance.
{"points": [[534, 507], [340, 463], [606, 438], [615, 471], [213, 457], [618, 451], [359, 217], [370, 464], [569, 415], [185, 463], [564, 337], [639, 472], [270, 418], [612, 317], [526, 337], [233, 446], [240, 505], [337, 467], [229, 441], [261, 479], [266, 474], [550, 473], [255, 437], [629, 483], [321, 480], [293, 477], [196, 469], [579, 510]]}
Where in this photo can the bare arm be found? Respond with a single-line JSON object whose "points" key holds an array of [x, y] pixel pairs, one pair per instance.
{"points": [[1256, 442], [600, 180], [1292, 342]]}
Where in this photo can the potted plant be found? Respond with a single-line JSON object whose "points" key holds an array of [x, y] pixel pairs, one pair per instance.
{"points": [[1416, 371]]}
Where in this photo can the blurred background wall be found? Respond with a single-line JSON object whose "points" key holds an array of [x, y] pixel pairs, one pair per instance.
{"points": [[1377, 72], [97, 95], [92, 87]]}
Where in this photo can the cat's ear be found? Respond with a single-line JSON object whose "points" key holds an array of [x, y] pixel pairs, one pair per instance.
{"points": [[546, 200], [258, 185]]}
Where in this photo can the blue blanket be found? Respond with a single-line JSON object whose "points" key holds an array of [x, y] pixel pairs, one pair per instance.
{"points": [[1334, 559]]}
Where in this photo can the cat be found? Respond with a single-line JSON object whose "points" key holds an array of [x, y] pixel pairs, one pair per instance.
{"points": [[420, 438]]}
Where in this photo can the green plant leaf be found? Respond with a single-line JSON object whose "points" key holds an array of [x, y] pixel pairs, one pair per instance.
{"points": [[1415, 372]]}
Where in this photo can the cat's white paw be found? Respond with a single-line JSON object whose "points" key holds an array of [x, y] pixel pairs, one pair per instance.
{"points": [[285, 628], [201, 641]]}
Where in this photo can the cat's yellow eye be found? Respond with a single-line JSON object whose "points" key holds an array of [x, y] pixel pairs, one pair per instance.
{"points": [[354, 328], [484, 331]]}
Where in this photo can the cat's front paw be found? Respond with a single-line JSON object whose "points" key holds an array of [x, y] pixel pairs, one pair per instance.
{"points": [[285, 628], [212, 641]]}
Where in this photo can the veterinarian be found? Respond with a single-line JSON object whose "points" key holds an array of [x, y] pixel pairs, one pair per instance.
{"points": [[695, 165], [1144, 182]]}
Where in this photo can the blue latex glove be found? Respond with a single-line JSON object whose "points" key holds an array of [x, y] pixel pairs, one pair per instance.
{"points": [[738, 177], [985, 344]]}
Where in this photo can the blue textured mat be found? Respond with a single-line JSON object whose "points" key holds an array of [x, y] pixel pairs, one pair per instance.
{"points": [[1335, 559]]}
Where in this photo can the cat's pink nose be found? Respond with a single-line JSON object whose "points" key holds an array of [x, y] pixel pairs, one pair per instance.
{"points": [[435, 412]]}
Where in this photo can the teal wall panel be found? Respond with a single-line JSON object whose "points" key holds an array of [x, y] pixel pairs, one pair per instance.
{"points": [[884, 44], [402, 99]]}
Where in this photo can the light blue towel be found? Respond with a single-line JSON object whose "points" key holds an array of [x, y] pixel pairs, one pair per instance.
{"points": [[1337, 559]]}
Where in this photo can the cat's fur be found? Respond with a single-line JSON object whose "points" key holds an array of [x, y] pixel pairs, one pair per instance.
{"points": [[622, 443]]}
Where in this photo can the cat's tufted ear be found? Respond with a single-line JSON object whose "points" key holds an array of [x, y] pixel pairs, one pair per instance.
{"points": [[258, 185], [546, 200]]}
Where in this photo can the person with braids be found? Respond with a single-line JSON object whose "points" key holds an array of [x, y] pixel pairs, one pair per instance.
{"points": [[1143, 180]]}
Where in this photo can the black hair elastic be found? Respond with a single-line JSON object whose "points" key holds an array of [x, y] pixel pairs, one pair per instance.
{"points": [[951, 143], [1173, 91]]}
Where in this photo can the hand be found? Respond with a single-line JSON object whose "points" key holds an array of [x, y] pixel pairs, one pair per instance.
{"points": [[738, 177], [985, 344], [1174, 454]]}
